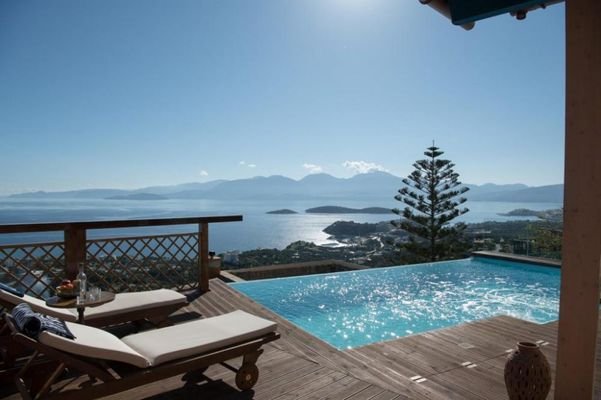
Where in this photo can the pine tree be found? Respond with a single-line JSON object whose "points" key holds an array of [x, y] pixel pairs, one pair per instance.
{"points": [[432, 199]]}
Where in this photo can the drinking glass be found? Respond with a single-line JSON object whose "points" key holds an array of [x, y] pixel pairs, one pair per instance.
{"points": [[94, 293]]}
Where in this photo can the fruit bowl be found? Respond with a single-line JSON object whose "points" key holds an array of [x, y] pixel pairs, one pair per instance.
{"points": [[66, 293]]}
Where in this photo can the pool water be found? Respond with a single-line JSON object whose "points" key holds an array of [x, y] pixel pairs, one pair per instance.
{"points": [[355, 308]]}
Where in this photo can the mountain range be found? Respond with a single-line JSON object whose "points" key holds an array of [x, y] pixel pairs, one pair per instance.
{"points": [[373, 185]]}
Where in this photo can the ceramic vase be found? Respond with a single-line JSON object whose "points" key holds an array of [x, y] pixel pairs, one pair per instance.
{"points": [[527, 373]]}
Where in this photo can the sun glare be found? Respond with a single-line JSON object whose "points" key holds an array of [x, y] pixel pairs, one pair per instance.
{"points": [[355, 5], [354, 12]]}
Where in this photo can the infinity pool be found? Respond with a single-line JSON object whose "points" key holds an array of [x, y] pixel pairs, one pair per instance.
{"points": [[355, 308]]}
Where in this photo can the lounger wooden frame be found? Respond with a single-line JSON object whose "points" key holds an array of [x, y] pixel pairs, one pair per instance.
{"points": [[114, 377], [12, 354]]}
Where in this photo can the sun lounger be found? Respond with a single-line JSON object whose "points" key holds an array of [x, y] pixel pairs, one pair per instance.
{"points": [[114, 365], [154, 306]]}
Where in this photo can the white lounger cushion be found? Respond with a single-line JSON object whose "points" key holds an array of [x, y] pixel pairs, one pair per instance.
{"points": [[124, 302], [135, 301], [95, 343], [197, 337], [40, 306], [162, 345]]}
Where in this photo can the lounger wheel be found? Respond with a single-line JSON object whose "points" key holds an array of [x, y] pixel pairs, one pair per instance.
{"points": [[247, 376]]}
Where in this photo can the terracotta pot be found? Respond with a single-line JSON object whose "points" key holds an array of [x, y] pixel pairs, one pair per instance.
{"points": [[214, 267], [527, 373]]}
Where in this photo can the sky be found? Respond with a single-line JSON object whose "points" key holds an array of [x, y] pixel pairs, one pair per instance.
{"points": [[127, 94]]}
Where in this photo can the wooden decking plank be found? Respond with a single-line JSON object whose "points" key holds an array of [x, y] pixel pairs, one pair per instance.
{"points": [[386, 378], [290, 381], [487, 334], [358, 367], [434, 390], [480, 350], [424, 356], [215, 306], [207, 307], [279, 367], [352, 389], [399, 358], [496, 343], [387, 395], [269, 364], [470, 334], [229, 297], [270, 359], [171, 388], [510, 343], [510, 328], [497, 334], [481, 382], [285, 384], [294, 383], [505, 335], [331, 391], [313, 386], [222, 302], [379, 371], [365, 393], [392, 369]]}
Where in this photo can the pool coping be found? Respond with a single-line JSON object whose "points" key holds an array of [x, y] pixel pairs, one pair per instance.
{"points": [[232, 274], [520, 258]]}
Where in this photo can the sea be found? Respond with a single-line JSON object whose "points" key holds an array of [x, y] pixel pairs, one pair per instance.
{"points": [[257, 230]]}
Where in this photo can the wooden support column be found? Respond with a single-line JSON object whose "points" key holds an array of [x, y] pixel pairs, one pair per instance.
{"points": [[579, 303], [75, 250], [203, 256]]}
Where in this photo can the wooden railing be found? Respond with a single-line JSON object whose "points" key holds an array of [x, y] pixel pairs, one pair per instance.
{"points": [[133, 263]]}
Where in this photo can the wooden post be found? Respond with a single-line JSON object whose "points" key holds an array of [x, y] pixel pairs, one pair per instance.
{"points": [[579, 303], [203, 256], [75, 250]]}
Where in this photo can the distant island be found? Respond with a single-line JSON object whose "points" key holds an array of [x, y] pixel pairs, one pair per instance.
{"points": [[283, 211], [342, 229], [346, 210], [137, 196], [550, 215]]}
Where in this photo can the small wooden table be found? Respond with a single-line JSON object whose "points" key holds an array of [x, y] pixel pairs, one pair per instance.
{"points": [[61, 302]]}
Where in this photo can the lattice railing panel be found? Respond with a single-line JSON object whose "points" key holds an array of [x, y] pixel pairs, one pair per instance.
{"points": [[36, 268], [143, 263]]}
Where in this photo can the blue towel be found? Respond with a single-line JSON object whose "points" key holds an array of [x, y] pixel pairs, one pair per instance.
{"points": [[31, 323]]}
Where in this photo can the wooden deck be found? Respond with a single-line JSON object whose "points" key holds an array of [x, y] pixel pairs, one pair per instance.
{"points": [[462, 362]]}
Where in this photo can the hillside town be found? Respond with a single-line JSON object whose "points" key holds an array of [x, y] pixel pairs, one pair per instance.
{"points": [[374, 244]]}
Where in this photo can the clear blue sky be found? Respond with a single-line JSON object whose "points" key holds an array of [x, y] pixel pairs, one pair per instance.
{"points": [[115, 93]]}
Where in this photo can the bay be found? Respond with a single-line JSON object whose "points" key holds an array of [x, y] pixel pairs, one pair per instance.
{"points": [[257, 230]]}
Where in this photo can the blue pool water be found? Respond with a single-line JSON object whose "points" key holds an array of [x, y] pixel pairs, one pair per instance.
{"points": [[351, 309]]}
